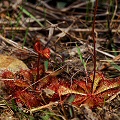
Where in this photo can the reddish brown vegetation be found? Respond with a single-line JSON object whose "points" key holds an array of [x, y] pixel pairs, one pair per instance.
{"points": [[45, 53], [31, 93], [102, 89]]}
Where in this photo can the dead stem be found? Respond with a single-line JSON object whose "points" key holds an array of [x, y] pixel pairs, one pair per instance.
{"points": [[33, 110]]}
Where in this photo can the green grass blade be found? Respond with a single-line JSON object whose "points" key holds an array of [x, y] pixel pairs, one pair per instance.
{"points": [[46, 65], [81, 57], [115, 66], [71, 99], [26, 33], [30, 15]]}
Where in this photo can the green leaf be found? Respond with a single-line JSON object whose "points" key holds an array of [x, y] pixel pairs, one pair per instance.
{"points": [[15, 108], [46, 65], [26, 33], [71, 98]]}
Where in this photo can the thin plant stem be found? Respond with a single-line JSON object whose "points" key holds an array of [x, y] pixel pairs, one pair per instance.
{"points": [[94, 40], [38, 64], [38, 48]]}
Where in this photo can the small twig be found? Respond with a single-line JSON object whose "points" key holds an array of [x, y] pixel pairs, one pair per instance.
{"points": [[42, 107], [62, 30], [97, 30], [17, 45], [105, 53], [109, 60], [74, 6], [33, 110], [27, 20], [71, 81], [113, 96], [116, 6], [22, 28], [48, 6]]}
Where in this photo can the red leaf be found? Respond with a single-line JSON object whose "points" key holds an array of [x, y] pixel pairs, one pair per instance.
{"points": [[26, 98], [107, 85], [85, 86], [27, 76], [37, 47], [102, 90], [98, 77], [46, 53], [7, 74], [62, 90], [20, 83]]}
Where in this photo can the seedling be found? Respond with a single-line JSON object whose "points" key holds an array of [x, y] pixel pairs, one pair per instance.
{"points": [[44, 53]]}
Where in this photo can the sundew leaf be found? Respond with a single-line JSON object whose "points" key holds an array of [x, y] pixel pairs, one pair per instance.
{"points": [[85, 86], [98, 78], [79, 100], [107, 94], [20, 83], [64, 90], [26, 98], [107, 85]]}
